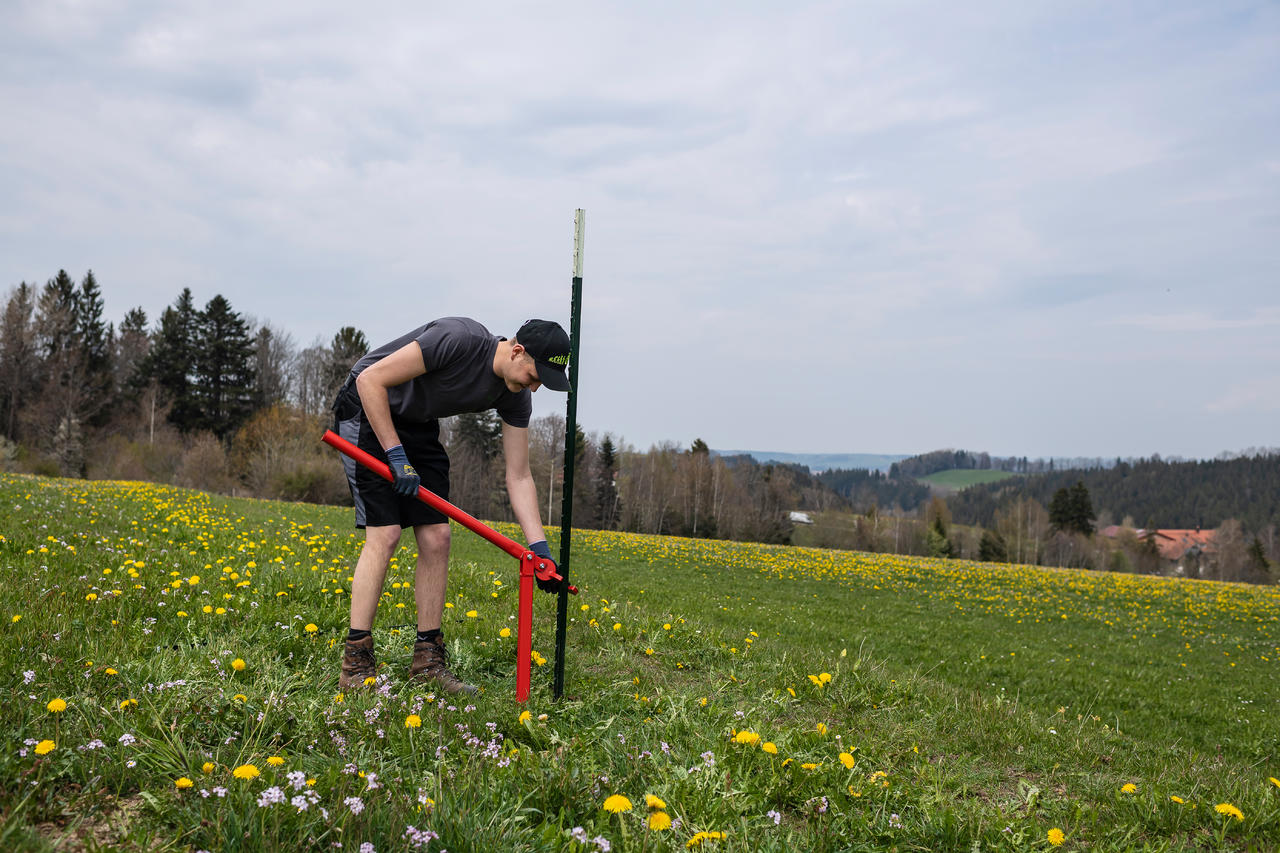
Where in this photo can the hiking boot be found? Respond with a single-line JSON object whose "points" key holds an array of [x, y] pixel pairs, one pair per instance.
{"points": [[430, 663], [358, 664]]}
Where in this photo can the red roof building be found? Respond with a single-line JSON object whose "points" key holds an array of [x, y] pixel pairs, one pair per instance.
{"points": [[1176, 544]]}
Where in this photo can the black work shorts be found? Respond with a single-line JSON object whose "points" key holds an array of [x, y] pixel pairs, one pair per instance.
{"points": [[377, 503]]}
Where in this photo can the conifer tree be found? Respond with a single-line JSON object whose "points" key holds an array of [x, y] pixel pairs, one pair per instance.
{"points": [[1080, 509], [170, 363], [223, 369], [992, 548], [19, 357], [347, 347], [606, 490], [94, 340], [131, 347]]}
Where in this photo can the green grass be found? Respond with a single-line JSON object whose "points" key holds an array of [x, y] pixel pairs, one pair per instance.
{"points": [[981, 706], [958, 478]]}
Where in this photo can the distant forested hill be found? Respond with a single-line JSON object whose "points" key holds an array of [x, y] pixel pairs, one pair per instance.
{"points": [[820, 461], [865, 489], [1166, 494]]}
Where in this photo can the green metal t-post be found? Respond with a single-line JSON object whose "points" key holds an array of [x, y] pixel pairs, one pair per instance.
{"points": [[570, 444]]}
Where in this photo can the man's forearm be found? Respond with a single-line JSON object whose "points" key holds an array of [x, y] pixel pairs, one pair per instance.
{"points": [[524, 503]]}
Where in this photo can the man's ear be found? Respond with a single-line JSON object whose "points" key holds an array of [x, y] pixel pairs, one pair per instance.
{"points": [[517, 350]]}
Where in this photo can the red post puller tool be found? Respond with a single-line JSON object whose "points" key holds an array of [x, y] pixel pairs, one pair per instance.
{"points": [[531, 565]]}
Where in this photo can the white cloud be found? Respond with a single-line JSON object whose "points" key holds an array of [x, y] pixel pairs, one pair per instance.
{"points": [[880, 190]]}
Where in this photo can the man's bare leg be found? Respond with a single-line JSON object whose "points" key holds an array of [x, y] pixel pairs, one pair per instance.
{"points": [[371, 571]]}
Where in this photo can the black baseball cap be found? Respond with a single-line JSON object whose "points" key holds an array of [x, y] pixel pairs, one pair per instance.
{"points": [[549, 346]]}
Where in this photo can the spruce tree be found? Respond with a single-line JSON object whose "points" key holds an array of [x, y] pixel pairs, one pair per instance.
{"points": [[606, 492], [937, 541], [1258, 557], [1080, 509], [95, 340], [223, 369], [170, 363], [19, 357], [992, 549], [131, 347], [348, 346], [60, 409], [1060, 510]]}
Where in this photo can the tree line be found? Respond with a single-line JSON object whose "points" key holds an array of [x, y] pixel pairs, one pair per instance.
{"points": [[205, 396]]}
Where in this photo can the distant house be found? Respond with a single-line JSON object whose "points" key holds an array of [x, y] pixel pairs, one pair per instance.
{"points": [[800, 518], [1183, 550]]}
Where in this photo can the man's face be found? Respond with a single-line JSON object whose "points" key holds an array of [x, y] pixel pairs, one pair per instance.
{"points": [[522, 373]]}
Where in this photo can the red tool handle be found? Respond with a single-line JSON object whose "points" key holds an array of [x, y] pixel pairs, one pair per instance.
{"points": [[434, 501]]}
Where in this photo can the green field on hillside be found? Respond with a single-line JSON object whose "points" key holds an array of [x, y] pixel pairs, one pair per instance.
{"points": [[957, 478], [171, 658]]}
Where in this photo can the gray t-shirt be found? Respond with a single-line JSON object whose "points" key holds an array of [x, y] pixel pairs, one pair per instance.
{"points": [[458, 353]]}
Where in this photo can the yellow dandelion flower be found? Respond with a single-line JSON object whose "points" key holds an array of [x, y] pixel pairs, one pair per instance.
{"points": [[617, 626], [658, 821], [770, 747], [471, 614], [815, 680], [245, 771], [1128, 788], [504, 633], [809, 765], [699, 837], [207, 767], [311, 628], [654, 802], [1228, 809], [239, 697], [617, 804], [538, 658], [821, 728], [57, 706], [413, 721], [238, 665], [847, 760], [1177, 799], [824, 677], [45, 747], [1056, 837], [748, 738], [1274, 781], [182, 783], [525, 717], [275, 761]]}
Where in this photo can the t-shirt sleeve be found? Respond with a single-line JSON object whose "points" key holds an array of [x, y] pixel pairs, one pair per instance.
{"points": [[516, 409], [441, 345]]}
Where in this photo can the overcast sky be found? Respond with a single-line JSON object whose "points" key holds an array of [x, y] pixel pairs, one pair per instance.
{"points": [[1025, 228]]}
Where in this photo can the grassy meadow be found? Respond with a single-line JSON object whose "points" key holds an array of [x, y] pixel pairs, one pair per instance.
{"points": [[170, 664]]}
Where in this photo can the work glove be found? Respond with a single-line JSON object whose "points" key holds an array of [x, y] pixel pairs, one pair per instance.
{"points": [[406, 478], [544, 551]]}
